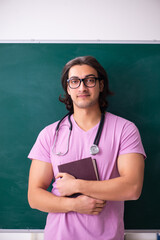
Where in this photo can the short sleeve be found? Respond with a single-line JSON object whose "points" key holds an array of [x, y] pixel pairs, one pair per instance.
{"points": [[41, 148], [131, 140]]}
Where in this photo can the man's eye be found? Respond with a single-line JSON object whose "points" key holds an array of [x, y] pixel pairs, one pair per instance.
{"points": [[90, 80], [74, 81]]}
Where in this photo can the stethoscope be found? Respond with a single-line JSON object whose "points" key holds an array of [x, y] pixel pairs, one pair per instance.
{"points": [[94, 149]]}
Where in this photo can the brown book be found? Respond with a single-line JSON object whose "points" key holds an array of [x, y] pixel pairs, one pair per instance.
{"points": [[85, 169]]}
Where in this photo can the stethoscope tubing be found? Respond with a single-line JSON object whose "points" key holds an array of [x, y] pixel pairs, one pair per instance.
{"points": [[56, 135], [99, 132]]}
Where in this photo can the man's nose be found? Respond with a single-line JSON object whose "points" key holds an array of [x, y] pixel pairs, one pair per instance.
{"points": [[82, 86]]}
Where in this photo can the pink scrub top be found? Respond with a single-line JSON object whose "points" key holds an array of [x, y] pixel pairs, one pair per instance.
{"points": [[119, 136]]}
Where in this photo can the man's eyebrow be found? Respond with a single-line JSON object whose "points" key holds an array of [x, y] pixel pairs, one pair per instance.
{"points": [[88, 75]]}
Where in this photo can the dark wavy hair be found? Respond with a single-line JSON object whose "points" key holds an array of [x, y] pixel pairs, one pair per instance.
{"points": [[91, 61]]}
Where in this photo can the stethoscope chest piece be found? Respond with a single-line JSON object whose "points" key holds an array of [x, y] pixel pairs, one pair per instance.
{"points": [[94, 149]]}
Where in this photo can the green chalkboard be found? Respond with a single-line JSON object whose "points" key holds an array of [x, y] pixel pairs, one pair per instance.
{"points": [[29, 91]]}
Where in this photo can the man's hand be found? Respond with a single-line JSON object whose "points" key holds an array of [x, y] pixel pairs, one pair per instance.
{"points": [[86, 205], [82, 204], [65, 184]]}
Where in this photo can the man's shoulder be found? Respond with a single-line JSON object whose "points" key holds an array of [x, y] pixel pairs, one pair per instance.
{"points": [[118, 120], [51, 126], [116, 117]]}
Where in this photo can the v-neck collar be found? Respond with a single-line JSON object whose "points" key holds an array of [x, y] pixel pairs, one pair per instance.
{"points": [[80, 129]]}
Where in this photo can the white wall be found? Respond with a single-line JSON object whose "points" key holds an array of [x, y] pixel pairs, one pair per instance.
{"points": [[80, 20], [21, 236], [39, 236]]}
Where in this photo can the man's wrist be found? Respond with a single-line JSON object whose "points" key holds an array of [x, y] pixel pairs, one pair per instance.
{"points": [[69, 204], [78, 183]]}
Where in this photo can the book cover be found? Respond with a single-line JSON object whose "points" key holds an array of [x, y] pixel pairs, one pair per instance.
{"points": [[85, 169]]}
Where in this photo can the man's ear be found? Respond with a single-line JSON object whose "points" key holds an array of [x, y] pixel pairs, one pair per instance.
{"points": [[101, 85]]}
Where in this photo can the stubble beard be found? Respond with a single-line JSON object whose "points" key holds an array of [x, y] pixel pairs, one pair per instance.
{"points": [[85, 105]]}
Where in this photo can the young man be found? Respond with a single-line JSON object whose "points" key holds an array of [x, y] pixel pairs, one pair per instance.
{"points": [[98, 212]]}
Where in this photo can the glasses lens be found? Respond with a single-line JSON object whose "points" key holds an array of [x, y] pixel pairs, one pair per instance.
{"points": [[90, 81], [74, 82]]}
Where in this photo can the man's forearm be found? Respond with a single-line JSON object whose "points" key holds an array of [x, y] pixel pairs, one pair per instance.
{"points": [[45, 201], [117, 189]]}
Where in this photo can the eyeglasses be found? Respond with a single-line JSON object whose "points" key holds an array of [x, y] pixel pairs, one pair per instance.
{"points": [[89, 81]]}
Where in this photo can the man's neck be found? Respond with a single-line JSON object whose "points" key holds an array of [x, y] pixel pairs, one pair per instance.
{"points": [[87, 119]]}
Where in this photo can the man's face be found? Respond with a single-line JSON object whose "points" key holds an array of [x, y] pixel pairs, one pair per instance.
{"points": [[84, 97]]}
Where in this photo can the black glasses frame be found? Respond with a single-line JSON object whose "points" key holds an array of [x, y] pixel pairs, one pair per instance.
{"points": [[83, 80]]}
